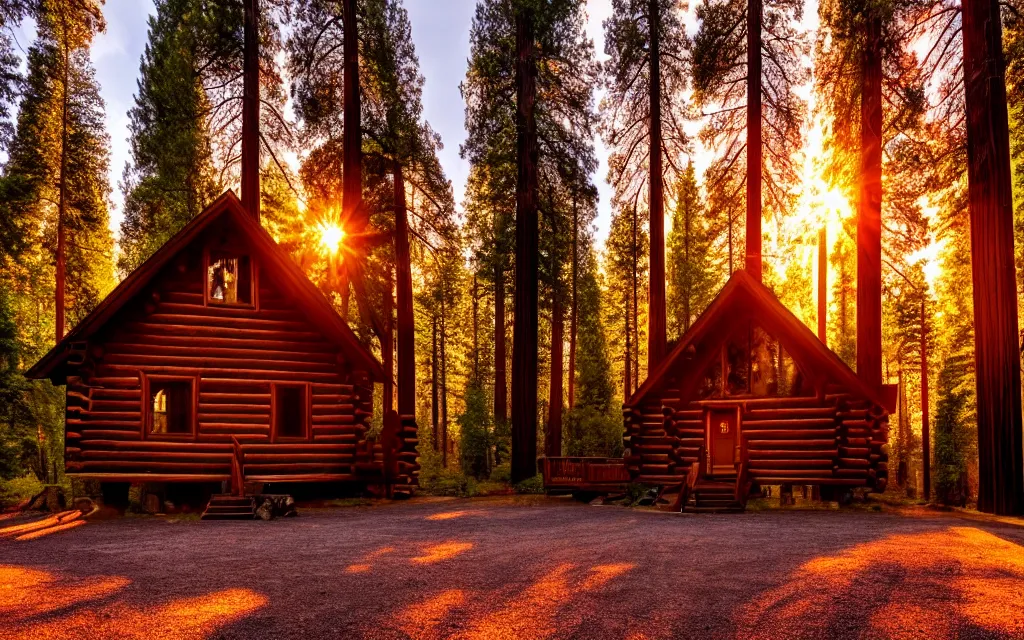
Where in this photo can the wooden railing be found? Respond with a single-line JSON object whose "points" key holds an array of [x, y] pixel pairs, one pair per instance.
{"points": [[584, 473]]}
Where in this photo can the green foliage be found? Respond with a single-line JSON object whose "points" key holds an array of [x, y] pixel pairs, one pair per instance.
{"points": [[534, 485], [17, 489], [692, 275], [476, 433], [171, 176]]}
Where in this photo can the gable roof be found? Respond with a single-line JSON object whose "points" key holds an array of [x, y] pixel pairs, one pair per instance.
{"points": [[317, 309], [744, 297]]}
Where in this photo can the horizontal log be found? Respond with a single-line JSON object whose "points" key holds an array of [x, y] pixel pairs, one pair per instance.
{"points": [[789, 473], [200, 360], [158, 445], [269, 351], [210, 407], [786, 434], [289, 458], [823, 463], [99, 434], [803, 423], [854, 452], [228, 341], [761, 403], [179, 467], [854, 462], [850, 473], [241, 376], [224, 311], [302, 477], [336, 437], [153, 477], [217, 427], [156, 456], [203, 330], [791, 413], [99, 394], [206, 419], [114, 405], [299, 467], [820, 454], [243, 399], [241, 322], [128, 417], [822, 443], [111, 381]]}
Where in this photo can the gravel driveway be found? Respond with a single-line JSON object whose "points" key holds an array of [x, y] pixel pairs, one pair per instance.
{"points": [[520, 568]]}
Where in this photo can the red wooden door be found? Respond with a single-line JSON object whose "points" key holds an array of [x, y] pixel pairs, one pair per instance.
{"points": [[723, 431]]}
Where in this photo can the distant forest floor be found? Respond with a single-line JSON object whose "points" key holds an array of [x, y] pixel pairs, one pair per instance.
{"points": [[521, 567]]}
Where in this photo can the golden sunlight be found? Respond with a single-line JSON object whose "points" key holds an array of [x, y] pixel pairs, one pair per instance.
{"points": [[331, 236]]}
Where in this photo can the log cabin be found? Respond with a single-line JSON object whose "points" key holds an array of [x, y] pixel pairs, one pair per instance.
{"points": [[220, 337], [750, 396]]}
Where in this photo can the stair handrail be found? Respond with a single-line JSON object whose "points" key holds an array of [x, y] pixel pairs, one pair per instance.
{"points": [[692, 477]]}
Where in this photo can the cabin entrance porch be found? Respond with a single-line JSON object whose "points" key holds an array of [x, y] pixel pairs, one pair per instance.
{"points": [[722, 439]]}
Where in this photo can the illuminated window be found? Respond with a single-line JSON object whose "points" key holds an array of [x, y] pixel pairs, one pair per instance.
{"points": [[229, 279], [171, 406], [291, 413]]}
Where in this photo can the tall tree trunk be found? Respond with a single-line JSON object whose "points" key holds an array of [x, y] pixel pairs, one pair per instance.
{"points": [[869, 212], [822, 288], [754, 151], [636, 305], [434, 409], [573, 320], [387, 350], [500, 358], [688, 285], [61, 257], [251, 111], [996, 355], [627, 386], [444, 379], [553, 438], [656, 340], [476, 331], [352, 136], [926, 453], [524, 333], [403, 292]]}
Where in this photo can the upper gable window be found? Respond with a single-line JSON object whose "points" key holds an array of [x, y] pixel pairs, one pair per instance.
{"points": [[229, 279]]}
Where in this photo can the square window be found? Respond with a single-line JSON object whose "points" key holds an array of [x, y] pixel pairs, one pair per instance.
{"points": [[229, 279], [170, 407], [290, 411]]}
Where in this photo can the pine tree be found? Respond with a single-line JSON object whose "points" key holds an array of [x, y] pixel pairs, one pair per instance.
{"points": [[171, 176], [643, 124], [692, 277]]}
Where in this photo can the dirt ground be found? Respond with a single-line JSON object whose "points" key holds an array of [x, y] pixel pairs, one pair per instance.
{"points": [[520, 568]]}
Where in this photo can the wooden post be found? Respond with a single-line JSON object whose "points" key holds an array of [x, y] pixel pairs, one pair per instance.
{"points": [[822, 288], [869, 212], [996, 355], [754, 151], [524, 332], [925, 427], [251, 111], [656, 340]]}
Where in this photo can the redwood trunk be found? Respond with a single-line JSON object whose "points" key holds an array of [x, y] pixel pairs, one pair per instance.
{"points": [[822, 288], [500, 358], [573, 320], [997, 359], [444, 380], [553, 439], [869, 214], [433, 385], [352, 139], [61, 257], [251, 111], [524, 333], [656, 296], [926, 452], [754, 152], [403, 292], [387, 350], [627, 365]]}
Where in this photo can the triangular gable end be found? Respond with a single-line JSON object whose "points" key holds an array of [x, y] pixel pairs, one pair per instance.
{"points": [[312, 302], [742, 299]]}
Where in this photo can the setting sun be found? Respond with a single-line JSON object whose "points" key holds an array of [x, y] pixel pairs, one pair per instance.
{"points": [[331, 236]]}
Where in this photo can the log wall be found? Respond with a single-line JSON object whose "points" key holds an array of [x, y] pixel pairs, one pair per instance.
{"points": [[235, 355], [831, 440]]}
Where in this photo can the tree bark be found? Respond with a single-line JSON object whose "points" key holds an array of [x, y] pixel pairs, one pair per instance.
{"points": [[444, 379], [61, 257], [627, 367], [387, 350], [553, 438], [476, 330], [573, 320], [434, 409], [822, 288], [926, 454], [352, 136], [635, 328], [754, 151], [869, 212], [656, 318], [500, 357], [403, 292], [524, 334], [997, 359], [251, 111]]}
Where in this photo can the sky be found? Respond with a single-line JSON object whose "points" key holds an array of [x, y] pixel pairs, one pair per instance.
{"points": [[440, 30]]}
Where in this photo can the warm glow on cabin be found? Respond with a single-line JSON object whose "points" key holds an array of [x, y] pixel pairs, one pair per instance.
{"points": [[331, 236]]}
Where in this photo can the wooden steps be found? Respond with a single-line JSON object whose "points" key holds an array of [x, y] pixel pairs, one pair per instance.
{"points": [[229, 507], [715, 496]]}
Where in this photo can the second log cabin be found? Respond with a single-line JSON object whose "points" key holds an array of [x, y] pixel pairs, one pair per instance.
{"points": [[750, 389], [219, 336]]}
